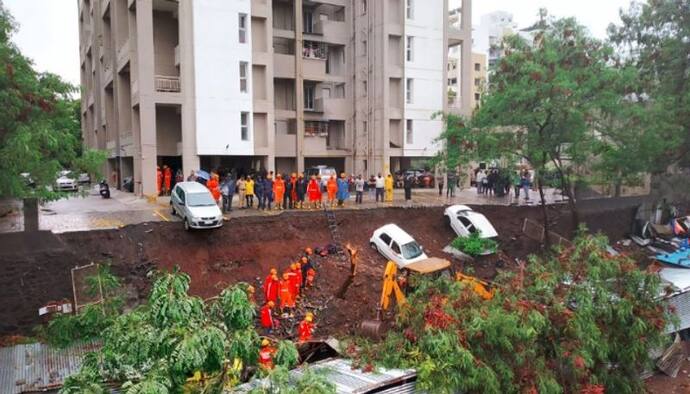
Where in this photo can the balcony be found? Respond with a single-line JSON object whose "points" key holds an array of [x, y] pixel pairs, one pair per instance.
{"points": [[315, 105], [170, 84], [336, 108], [314, 69]]}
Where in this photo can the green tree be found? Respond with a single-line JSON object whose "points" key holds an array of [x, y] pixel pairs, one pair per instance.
{"points": [[576, 322], [653, 37], [39, 131]]}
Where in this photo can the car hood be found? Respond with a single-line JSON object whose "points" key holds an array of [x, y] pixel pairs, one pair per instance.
{"points": [[64, 179], [482, 224], [205, 212]]}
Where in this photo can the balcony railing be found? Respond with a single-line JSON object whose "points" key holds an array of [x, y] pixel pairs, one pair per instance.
{"points": [[167, 83]]}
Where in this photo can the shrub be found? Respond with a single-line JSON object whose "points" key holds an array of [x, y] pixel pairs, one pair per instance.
{"points": [[474, 245]]}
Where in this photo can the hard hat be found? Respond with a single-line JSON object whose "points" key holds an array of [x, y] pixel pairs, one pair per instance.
{"points": [[308, 251], [310, 314], [305, 259], [265, 342], [309, 318], [294, 174], [271, 304], [293, 266], [274, 271]]}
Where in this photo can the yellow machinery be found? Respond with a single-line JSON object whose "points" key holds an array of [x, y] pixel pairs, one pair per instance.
{"points": [[431, 266]]}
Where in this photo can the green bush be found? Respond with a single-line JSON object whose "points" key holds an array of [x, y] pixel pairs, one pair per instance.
{"points": [[474, 245]]}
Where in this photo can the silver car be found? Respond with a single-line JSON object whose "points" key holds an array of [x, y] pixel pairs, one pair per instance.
{"points": [[194, 204], [66, 182]]}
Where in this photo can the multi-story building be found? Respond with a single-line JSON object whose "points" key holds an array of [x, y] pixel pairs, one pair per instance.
{"points": [[478, 80], [490, 32], [266, 84]]}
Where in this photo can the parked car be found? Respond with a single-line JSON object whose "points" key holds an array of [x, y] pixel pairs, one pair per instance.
{"points": [[84, 179], [322, 173], [66, 182], [421, 178], [194, 204], [464, 221], [397, 245]]}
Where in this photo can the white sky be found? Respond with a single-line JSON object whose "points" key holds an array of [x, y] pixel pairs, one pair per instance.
{"points": [[48, 29]]}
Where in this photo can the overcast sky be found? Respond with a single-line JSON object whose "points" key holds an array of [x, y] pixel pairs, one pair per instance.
{"points": [[48, 30]]}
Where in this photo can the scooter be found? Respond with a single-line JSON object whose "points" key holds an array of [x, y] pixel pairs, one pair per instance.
{"points": [[104, 189]]}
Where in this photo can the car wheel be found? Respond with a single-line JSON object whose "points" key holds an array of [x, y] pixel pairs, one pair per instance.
{"points": [[172, 210], [373, 246], [448, 220], [186, 225]]}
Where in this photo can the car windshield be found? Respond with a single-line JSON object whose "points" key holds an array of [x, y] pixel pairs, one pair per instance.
{"points": [[411, 250], [200, 200], [65, 173]]}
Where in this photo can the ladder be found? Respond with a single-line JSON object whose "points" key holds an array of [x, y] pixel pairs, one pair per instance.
{"points": [[335, 234]]}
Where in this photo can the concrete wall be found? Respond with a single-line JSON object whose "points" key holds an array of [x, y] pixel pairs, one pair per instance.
{"points": [[165, 39], [218, 54], [168, 130], [428, 71]]}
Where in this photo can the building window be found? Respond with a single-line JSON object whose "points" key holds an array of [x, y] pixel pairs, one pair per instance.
{"points": [[409, 92], [477, 97], [242, 23], [477, 67], [410, 9], [365, 127], [243, 76], [409, 131], [477, 82], [410, 48], [244, 126]]}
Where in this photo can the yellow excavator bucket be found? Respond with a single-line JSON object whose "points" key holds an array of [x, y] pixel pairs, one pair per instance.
{"points": [[478, 286], [390, 286]]}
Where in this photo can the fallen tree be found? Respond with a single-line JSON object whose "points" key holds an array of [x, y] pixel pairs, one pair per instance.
{"points": [[580, 322]]}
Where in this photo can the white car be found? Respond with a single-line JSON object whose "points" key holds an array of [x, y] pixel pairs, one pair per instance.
{"points": [[195, 205], [464, 221], [66, 182], [397, 245]]}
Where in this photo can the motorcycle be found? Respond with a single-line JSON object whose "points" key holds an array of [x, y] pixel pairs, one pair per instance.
{"points": [[104, 189]]}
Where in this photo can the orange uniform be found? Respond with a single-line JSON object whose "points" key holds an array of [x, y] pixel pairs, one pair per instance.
{"points": [[213, 187], [267, 316], [305, 329], [311, 276], [167, 178], [287, 299], [279, 190], [332, 188], [293, 279], [271, 285], [266, 356]]}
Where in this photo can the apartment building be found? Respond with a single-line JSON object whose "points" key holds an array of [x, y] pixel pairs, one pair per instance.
{"points": [[267, 84]]}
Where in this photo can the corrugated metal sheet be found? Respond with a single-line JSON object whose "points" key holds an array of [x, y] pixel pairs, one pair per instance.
{"points": [[354, 381], [38, 367]]}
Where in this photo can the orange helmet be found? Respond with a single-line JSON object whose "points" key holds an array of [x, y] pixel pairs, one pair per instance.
{"points": [[294, 266], [308, 251], [265, 342], [271, 304], [286, 276]]}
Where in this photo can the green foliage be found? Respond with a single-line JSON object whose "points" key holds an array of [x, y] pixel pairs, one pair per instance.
{"points": [[40, 131], [234, 305], [559, 327], [311, 382], [314, 382], [286, 354], [475, 245], [171, 305]]}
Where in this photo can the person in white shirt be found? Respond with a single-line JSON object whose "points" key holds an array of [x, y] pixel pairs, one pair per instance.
{"points": [[380, 183], [359, 189]]}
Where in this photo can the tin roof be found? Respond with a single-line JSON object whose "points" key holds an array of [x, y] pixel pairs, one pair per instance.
{"points": [[39, 367], [353, 381]]}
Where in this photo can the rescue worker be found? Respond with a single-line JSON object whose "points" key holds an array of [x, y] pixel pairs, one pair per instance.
{"points": [[287, 301], [266, 355], [294, 281], [314, 192], [332, 189], [291, 191], [306, 328], [159, 180], [213, 187], [305, 265], [267, 321], [251, 294], [343, 190], [301, 190], [297, 270], [388, 186], [279, 191], [311, 277], [271, 285], [249, 192], [167, 179]]}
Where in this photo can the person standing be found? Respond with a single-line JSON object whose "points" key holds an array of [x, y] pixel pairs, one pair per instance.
{"points": [[291, 191], [249, 192], [407, 185], [191, 177], [439, 183], [452, 182], [259, 192], [343, 190], [306, 328], [271, 284], [266, 353], [301, 190], [167, 179], [279, 191], [314, 192], [228, 191], [179, 176], [371, 184], [379, 184], [359, 189], [268, 191], [241, 187], [331, 189], [525, 181], [388, 185], [267, 321], [214, 187], [159, 180], [515, 181], [287, 300], [479, 181]]}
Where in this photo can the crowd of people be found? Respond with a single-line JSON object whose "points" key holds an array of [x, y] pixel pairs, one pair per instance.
{"points": [[282, 294], [297, 191], [493, 181]]}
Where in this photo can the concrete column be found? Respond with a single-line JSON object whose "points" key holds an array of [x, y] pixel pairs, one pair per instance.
{"points": [[466, 71], [299, 85], [147, 106], [190, 158]]}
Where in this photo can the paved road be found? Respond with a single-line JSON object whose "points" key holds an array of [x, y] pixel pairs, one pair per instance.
{"points": [[81, 213]]}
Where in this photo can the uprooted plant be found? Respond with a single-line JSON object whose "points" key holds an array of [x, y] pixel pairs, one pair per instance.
{"points": [[474, 245], [582, 321]]}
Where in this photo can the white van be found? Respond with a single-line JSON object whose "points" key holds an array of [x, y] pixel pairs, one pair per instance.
{"points": [[397, 245], [322, 173], [194, 204]]}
